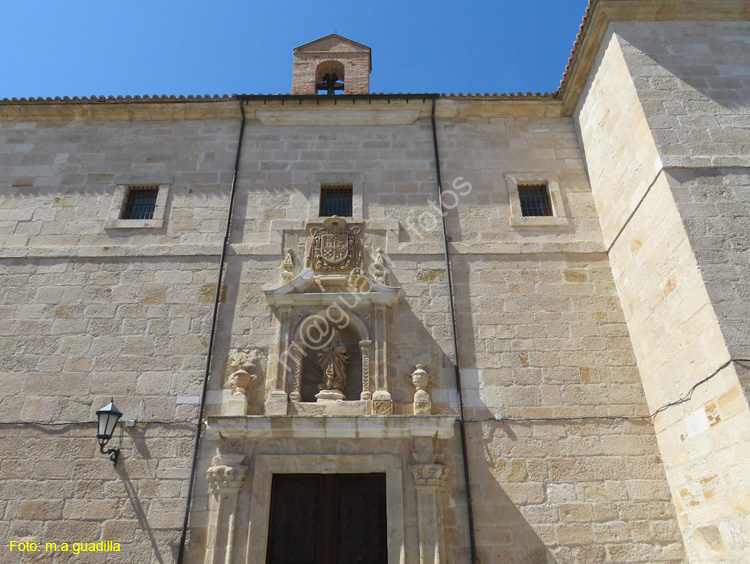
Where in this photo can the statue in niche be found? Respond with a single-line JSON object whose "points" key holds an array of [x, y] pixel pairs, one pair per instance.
{"points": [[333, 359]]}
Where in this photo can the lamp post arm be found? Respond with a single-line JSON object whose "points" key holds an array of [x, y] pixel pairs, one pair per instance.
{"points": [[114, 453]]}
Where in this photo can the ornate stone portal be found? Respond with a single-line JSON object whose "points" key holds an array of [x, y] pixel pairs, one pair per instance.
{"points": [[333, 327]]}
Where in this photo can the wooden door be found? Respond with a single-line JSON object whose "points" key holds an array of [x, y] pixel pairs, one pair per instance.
{"points": [[328, 519]]}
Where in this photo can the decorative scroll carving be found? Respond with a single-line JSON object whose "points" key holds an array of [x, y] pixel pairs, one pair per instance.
{"points": [[333, 359], [287, 267], [422, 402], [433, 476], [334, 247], [225, 478], [357, 281]]}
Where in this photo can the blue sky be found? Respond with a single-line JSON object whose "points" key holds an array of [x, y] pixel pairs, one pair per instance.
{"points": [[77, 48]]}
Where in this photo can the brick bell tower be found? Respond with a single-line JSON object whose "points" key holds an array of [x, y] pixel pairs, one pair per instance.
{"points": [[332, 64]]}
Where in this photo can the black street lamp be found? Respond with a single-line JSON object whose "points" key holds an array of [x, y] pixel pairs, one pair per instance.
{"points": [[108, 416]]}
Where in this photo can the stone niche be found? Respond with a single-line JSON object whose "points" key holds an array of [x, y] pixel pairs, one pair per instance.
{"points": [[331, 350]]}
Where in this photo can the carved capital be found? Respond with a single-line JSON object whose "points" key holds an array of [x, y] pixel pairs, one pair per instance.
{"points": [[225, 478], [430, 476]]}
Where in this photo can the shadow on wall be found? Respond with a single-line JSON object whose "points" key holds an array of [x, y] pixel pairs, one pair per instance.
{"points": [[503, 534], [140, 513]]}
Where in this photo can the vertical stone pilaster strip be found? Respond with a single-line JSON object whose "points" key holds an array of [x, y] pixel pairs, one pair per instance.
{"points": [[212, 533], [382, 403], [224, 482], [282, 375], [380, 356], [276, 401], [230, 531], [429, 479]]}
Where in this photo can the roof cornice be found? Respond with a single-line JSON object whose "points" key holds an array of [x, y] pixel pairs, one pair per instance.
{"points": [[368, 106], [600, 13]]}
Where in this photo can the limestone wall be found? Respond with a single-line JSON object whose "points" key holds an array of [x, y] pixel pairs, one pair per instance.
{"points": [[541, 333], [655, 221], [82, 320]]}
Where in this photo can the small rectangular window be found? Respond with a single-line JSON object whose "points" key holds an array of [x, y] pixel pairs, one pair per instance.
{"points": [[535, 200], [140, 202], [336, 199]]}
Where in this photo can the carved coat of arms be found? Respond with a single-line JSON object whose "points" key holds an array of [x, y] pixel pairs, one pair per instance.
{"points": [[334, 247]]}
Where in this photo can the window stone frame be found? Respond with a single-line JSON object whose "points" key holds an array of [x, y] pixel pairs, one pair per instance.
{"points": [[317, 179], [517, 219], [115, 221]]}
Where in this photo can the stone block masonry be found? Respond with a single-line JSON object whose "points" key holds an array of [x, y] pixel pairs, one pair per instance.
{"points": [[570, 330], [541, 334], [672, 217]]}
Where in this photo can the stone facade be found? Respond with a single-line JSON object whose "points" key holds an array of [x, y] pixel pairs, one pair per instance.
{"points": [[570, 329]]}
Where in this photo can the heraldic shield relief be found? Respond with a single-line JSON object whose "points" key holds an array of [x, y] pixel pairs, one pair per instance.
{"points": [[334, 247]]}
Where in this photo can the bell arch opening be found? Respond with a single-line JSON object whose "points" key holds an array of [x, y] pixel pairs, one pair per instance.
{"points": [[329, 74]]}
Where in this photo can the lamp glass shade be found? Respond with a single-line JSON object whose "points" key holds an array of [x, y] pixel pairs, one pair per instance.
{"points": [[108, 416]]}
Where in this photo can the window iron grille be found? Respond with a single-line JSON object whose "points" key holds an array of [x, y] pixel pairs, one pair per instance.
{"points": [[140, 202], [535, 200], [336, 199]]}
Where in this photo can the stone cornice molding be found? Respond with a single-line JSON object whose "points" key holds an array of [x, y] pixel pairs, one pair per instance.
{"points": [[332, 427]]}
